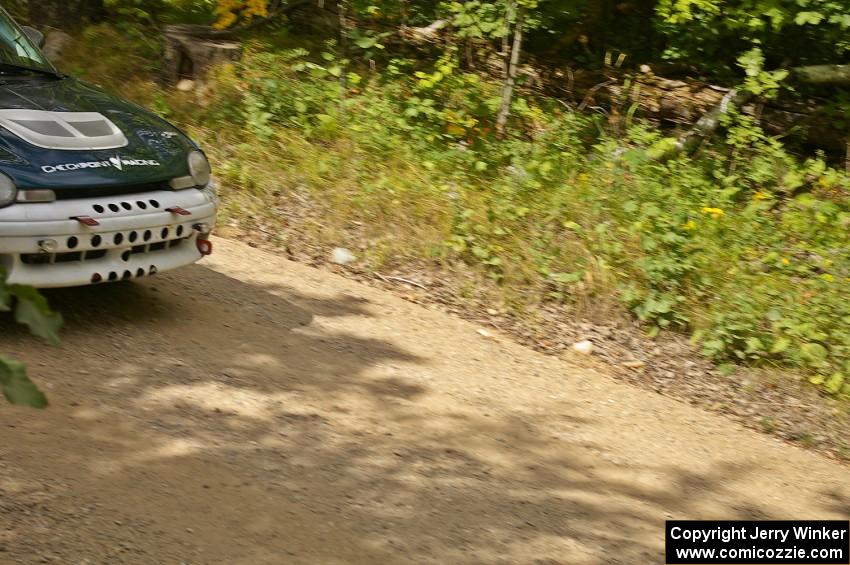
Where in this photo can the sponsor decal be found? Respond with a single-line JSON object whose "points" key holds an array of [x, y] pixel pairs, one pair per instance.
{"points": [[116, 162]]}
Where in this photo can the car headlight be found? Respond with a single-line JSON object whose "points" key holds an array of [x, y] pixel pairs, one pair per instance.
{"points": [[199, 168], [8, 191]]}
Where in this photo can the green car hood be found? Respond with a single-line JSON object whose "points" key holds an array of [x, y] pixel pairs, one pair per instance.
{"points": [[156, 151]]}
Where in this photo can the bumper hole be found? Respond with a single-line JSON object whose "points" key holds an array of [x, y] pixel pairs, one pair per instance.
{"points": [[113, 276], [142, 205], [126, 205], [147, 235], [99, 209], [164, 233], [73, 242], [133, 237], [114, 207], [154, 203], [118, 239], [96, 241]]}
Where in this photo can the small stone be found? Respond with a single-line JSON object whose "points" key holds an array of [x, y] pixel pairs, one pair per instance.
{"points": [[584, 347], [342, 256], [186, 85], [484, 333], [634, 364]]}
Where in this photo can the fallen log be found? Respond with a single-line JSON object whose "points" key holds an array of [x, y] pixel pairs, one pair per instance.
{"points": [[681, 104], [708, 124], [822, 74]]}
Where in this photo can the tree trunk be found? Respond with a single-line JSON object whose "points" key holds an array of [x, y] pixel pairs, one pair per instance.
{"points": [[506, 40], [342, 7], [64, 13], [192, 50], [510, 80]]}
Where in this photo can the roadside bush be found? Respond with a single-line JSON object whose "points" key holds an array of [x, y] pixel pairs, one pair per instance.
{"points": [[743, 247]]}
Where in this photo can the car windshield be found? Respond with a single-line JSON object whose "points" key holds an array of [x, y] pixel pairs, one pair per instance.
{"points": [[16, 49]]}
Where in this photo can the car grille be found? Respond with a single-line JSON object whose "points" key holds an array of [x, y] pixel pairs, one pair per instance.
{"points": [[98, 191]]}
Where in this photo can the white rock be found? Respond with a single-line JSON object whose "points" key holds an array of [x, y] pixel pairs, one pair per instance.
{"points": [[484, 333], [186, 85], [584, 347], [637, 364], [342, 256]]}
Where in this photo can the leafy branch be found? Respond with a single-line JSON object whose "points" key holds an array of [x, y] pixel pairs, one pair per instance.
{"points": [[32, 310]]}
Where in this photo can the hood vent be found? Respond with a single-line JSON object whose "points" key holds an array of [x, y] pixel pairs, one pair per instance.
{"points": [[72, 131]]}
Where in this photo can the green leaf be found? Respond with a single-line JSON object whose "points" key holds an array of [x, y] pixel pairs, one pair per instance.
{"points": [[17, 388], [834, 384], [33, 311], [366, 42], [566, 278], [5, 297], [814, 352], [804, 18], [780, 345]]}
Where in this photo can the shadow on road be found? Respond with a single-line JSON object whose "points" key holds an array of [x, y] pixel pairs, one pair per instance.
{"points": [[200, 418]]}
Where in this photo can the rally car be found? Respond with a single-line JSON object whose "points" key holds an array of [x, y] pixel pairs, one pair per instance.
{"points": [[93, 188]]}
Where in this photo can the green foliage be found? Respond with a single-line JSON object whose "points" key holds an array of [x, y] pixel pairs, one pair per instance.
{"points": [[16, 386], [30, 309], [744, 247], [790, 33], [478, 19], [759, 81]]}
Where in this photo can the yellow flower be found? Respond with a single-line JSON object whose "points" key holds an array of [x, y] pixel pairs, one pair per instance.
{"points": [[761, 195], [583, 177], [827, 277], [690, 225], [715, 213], [785, 261]]}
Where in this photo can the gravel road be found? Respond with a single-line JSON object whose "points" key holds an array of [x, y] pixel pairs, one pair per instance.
{"points": [[250, 410]]}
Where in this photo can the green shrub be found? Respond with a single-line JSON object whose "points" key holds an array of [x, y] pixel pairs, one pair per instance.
{"points": [[744, 247]]}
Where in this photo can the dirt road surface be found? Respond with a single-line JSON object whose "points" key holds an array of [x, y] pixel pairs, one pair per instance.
{"points": [[250, 410]]}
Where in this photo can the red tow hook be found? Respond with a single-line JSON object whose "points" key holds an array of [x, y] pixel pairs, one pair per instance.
{"points": [[205, 246], [179, 211], [86, 220]]}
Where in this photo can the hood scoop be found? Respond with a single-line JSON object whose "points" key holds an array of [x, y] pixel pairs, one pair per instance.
{"points": [[72, 131]]}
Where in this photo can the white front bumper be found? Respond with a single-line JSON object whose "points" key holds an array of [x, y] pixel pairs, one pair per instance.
{"points": [[136, 236]]}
